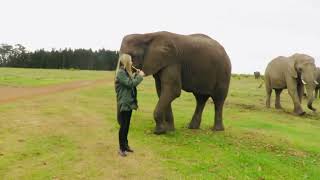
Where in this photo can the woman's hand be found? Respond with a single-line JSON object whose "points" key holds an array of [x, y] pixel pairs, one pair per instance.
{"points": [[141, 73]]}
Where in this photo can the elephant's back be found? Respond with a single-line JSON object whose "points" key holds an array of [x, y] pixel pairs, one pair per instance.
{"points": [[200, 48], [276, 64], [275, 72]]}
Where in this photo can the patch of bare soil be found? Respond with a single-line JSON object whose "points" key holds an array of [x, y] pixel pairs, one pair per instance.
{"points": [[10, 94], [246, 106]]}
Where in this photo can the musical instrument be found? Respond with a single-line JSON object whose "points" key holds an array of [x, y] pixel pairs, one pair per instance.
{"points": [[136, 69]]}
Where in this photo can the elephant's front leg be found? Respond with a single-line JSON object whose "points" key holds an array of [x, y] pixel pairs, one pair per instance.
{"points": [[293, 92], [300, 89], [158, 117], [169, 80], [169, 119], [164, 103], [316, 92], [168, 116]]}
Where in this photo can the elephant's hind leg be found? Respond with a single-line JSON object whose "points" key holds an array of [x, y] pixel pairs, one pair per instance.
{"points": [[277, 103], [196, 119], [268, 97], [218, 107]]}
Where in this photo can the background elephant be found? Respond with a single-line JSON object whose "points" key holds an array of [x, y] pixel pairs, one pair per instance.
{"points": [[292, 73], [195, 63], [256, 74], [317, 90]]}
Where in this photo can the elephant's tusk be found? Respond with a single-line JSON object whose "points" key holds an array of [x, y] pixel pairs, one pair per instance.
{"points": [[303, 82], [316, 82]]}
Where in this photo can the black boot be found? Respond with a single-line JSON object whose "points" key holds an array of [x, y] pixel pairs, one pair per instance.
{"points": [[128, 149]]}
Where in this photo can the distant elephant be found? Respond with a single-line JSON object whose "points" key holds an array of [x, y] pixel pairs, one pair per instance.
{"points": [[292, 73], [195, 63], [256, 74], [317, 90]]}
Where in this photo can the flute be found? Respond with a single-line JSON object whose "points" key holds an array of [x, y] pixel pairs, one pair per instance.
{"points": [[135, 68]]}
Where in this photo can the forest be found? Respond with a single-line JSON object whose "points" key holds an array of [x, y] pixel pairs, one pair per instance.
{"points": [[86, 59]]}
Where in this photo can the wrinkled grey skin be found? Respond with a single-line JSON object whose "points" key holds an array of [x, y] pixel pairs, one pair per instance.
{"points": [[317, 90], [256, 74], [290, 73], [194, 63]]}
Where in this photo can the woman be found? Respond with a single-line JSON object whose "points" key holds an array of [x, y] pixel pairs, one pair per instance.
{"points": [[125, 84]]}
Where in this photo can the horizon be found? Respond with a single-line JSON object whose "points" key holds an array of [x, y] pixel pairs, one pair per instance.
{"points": [[253, 33]]}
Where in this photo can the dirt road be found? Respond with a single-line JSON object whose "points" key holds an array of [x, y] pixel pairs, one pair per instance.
{"points": [[9, 94]]}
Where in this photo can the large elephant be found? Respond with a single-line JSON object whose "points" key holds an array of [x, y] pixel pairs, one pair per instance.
{"points": [[292, 73], [195, 63], [317, 90]]}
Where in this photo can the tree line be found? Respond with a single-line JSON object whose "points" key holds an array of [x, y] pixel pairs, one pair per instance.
{"points": [[18, 56]]}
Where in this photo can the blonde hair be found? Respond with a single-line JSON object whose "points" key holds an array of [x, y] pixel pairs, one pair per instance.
{"points": [[125, 61]]}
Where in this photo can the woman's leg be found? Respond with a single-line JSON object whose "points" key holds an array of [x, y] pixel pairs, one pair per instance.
{"points": [[127, 126], [122, 121]]}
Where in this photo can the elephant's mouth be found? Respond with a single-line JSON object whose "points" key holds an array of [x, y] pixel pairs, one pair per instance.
{"points": [[136, 64], [136, 61], [136, 67]]}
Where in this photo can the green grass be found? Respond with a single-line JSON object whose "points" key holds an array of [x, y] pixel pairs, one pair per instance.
{"points": [[20, 77], [73, 135], [257, 143]]}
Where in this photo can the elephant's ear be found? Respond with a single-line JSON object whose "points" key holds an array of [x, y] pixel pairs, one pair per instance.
{"points": [[292, 68], [160, 54]]}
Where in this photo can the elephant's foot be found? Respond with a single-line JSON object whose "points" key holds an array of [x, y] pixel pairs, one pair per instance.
{"points": [[193, 125], [299, 112], [267, 105], [278, 106], [170, 127], [218, 127], [159, 130]]}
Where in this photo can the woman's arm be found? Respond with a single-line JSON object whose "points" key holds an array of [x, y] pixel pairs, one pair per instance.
{"points": [[125, 80]]}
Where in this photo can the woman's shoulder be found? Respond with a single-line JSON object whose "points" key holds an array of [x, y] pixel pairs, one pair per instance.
{"points": [[121, 71], [122, 74]]}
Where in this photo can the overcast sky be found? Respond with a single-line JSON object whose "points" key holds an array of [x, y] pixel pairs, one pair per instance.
{"points": [[252, 31]]}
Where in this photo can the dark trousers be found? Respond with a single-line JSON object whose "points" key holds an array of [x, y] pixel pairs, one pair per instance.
{"points": [[124, 120]]}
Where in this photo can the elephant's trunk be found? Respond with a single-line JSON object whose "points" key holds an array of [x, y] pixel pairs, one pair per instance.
{"points": [[310, 90]]}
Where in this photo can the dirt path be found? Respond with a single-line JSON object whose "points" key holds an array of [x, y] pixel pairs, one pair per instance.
{"points": [[10, 94]]}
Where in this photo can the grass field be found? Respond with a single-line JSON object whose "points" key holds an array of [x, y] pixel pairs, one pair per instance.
{"points": [[73, 135], [19, 77]]}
